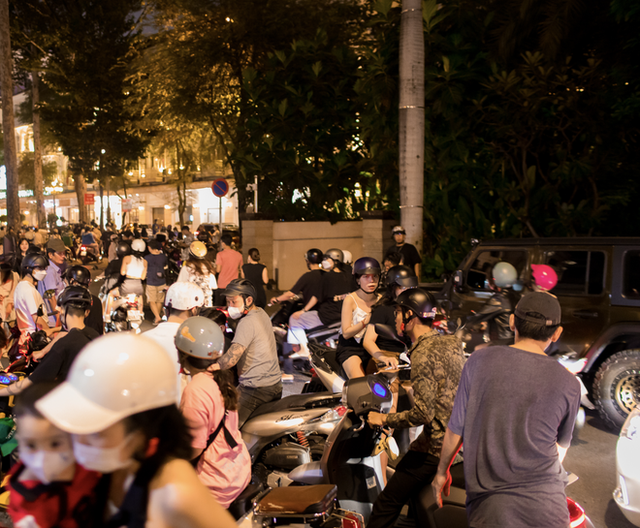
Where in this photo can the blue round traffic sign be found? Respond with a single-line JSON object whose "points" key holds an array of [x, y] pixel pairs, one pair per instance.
{"points": [[220, 187]]}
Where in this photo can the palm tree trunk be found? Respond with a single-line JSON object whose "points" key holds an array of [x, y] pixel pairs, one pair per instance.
{"points": [[37, 151], [411, 140], [8, 123]]}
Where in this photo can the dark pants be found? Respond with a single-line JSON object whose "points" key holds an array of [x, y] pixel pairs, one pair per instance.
{"points": [[253, 397], [414, 471]]}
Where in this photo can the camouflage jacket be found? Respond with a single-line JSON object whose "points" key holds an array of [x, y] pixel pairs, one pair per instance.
{"points": [[436, 366]]}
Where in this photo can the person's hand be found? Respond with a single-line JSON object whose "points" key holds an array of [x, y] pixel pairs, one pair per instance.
{"points": [[296, 315], [375, 419], [441, 484], [389, 361], [213, 367], [273, 300], [366, 319]]}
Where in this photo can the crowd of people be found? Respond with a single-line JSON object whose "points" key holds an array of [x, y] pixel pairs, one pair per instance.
{"points": [[144, 430]]}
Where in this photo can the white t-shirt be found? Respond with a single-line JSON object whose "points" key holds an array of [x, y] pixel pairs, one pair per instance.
{"points": [[27, 301], [164, 334], [206, 282]]}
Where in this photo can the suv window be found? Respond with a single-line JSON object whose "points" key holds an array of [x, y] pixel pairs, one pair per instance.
{"points": [[579, 272], [480, 271], [631, 275]]}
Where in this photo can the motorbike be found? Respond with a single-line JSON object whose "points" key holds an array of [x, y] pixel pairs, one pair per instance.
{"points": [[284, 434], [174, 262], [87, 254], [123, 313]]}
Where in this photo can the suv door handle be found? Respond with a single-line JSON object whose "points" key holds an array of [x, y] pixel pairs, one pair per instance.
{"points": [[586, 314]]}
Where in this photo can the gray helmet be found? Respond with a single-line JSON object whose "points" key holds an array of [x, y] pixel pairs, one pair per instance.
{"points": [[335, 254], [200, 337]]}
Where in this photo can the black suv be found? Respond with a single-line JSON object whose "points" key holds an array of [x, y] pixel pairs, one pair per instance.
{"points": [[599, 290]]}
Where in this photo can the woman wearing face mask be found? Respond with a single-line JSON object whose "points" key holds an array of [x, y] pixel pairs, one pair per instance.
{"points": [[200, 270], [119, 404], [210, 403], [356, 313], [48, 488]]}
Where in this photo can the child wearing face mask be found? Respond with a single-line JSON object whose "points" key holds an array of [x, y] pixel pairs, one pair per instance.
{"points": [[47, 487]]}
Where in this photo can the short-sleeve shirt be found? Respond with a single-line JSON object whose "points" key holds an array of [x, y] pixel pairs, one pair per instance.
{"points": [[333, 284], [511, 409], [155, 269], [56, 364], [27, 301], [258, 366], [52, 281], [230, 262], [225, 471], [410, 255], [309, 285]]}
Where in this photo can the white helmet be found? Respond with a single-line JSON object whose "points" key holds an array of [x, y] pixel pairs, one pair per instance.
{"points": [[113, 377], [184, 296], [348, 257], [138, 245]]}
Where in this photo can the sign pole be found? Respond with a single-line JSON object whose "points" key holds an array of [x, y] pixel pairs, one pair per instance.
{"points": [[220, 214], [255, 193], [220, 188]]}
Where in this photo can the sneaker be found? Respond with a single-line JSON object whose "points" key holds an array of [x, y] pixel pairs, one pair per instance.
{"points": [[287, 378]]}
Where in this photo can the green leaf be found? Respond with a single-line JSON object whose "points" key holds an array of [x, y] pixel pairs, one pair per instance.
{"points": [[282, 107], [317, 67]]}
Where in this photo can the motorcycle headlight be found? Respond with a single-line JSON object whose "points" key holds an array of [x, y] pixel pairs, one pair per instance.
{"points": [[631, 426]]}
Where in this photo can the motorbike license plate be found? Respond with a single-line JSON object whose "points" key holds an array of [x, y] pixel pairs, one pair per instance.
{"points": [[134, 314], [83, 252]]}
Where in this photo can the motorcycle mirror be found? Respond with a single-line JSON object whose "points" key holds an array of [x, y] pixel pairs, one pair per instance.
{"points": [[386, 331]]}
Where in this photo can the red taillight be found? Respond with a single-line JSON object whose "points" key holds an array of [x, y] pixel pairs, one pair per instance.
{"points": [[341, 410], [577, 518], [352, 521]]}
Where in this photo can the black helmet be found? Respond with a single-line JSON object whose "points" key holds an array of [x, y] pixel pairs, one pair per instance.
{"points": [[402, 276], [366, 266], [240, 287], [77, 296], [32, 261], [420, 302], [335, 254], [79, 274], [123, 249], [313, 256]]}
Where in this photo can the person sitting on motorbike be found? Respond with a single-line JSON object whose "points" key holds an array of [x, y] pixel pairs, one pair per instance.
{"points": [[47, 487], [210, 405], [496, 311], [118, 402], [199, 270], [356, 312], [81, 276], [88, 239], [134, 269], [381, 348], [436, 367], [29, 305], [75, 302], [333, 287], [253, 350], [53, 283]]}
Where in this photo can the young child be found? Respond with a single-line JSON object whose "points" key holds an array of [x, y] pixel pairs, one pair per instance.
{"points": [[156, 283], [47, 487]]}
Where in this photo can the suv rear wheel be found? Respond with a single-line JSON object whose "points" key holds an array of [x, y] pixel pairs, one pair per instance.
{"points": [[616, 387]]}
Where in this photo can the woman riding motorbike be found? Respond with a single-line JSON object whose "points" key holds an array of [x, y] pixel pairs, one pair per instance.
{"points": [[199, 270], [119, 404], [134, 269]]}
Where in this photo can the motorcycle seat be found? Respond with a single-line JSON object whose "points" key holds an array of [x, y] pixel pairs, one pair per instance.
{"points": [[306, 500], [330, 327], [242, 503], [298, 401]]}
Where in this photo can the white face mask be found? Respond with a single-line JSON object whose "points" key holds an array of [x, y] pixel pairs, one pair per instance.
{"points": [[47, 466], [326, 264], [102, 459], [235, 313], [39, 275]]}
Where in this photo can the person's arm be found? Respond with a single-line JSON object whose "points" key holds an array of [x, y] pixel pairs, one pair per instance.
{"points": [[417, 269], [265, 275], [441, 483], [144, 271], [178, 499], [230, 357], [16, 388], [125, 263], [312, 302], [42, 323], [283, 297], [39, 354]]}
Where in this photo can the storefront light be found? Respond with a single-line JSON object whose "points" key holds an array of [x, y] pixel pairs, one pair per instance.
{"points": [[167, 207]]}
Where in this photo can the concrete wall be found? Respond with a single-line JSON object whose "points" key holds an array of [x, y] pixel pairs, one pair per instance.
{"points": [[282, 245]]}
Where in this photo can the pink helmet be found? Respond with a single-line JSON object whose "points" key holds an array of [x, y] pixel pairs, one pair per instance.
{"points": [[544, 276]]}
